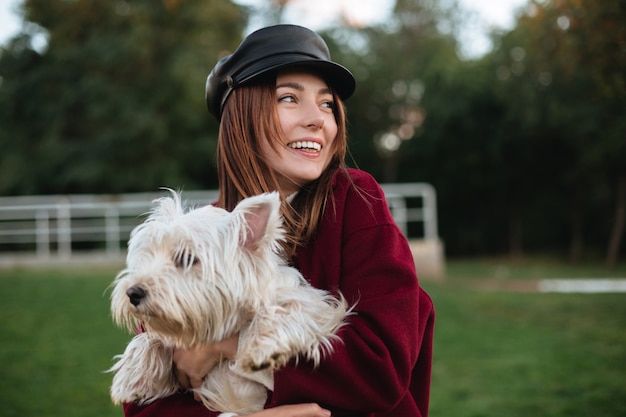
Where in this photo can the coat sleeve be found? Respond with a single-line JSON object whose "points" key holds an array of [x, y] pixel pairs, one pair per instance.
{"points": [[372, 371]]}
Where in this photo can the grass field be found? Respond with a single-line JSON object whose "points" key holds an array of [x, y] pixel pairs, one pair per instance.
{"points": [[496, 353]]}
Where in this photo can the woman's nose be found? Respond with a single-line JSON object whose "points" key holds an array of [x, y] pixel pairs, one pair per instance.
{"points": [[313, 116], [316, 123]]}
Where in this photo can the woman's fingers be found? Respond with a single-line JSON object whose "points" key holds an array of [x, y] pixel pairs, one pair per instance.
{"points": [[193, 364], [182, 377], [295, 410], [195, 383]]}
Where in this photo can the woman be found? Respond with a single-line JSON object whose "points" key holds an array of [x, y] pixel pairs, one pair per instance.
{"points": [[278, 98]]}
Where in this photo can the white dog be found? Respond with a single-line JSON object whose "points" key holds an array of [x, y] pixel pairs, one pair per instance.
{"points": [[202, 276]]}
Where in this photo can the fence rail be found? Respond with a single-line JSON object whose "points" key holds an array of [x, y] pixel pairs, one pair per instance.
{"points": [[65, 224]]}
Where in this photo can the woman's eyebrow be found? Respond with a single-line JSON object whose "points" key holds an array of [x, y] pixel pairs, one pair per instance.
{"points": [[300, 87], [293, 85]]}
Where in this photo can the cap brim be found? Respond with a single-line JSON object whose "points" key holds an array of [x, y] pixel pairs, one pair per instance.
{"points": [[338, 77]]}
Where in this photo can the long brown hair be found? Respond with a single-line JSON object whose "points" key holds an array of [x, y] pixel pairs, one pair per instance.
{"points": [[249, 116]]}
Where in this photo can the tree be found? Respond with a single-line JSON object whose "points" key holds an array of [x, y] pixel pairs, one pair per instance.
{"points": [[421, 113], [115, 101], [562, 71], [392, 63]]}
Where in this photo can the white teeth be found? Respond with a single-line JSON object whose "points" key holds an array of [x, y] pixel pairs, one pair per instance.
{"points": [[306, 145]]}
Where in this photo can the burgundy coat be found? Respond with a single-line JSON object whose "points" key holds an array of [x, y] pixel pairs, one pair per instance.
{"points": [[383, 366]]}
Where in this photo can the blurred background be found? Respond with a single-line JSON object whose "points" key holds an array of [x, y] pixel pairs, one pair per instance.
{"points": [[513, 111]]}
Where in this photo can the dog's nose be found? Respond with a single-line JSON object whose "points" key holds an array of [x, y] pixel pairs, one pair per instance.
{"points": [[136, 294]]}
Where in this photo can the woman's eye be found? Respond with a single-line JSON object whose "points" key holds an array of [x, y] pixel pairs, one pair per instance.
{"points": [[328, 104], [287, 99]]}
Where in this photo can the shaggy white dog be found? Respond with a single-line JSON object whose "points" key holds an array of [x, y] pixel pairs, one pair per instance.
{"points": [[201, 276]]}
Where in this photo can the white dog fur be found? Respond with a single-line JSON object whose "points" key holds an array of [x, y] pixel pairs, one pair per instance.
{"points": [[203, 275]]}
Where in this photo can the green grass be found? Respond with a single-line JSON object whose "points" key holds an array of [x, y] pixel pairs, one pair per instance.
{"points": [[496, 353], [528, 268], [57, 339], [511, 354]]}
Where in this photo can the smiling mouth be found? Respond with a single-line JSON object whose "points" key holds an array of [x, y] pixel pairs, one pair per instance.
{"points": [[306, 146]]}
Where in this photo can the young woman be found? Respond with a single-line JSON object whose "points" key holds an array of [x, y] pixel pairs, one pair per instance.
{"points": [[278, 98]]}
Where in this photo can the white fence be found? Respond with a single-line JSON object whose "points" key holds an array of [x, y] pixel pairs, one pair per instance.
{"points": [[64, 224]]}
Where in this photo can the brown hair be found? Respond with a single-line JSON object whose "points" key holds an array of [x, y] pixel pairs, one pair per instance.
{"points": [[249, 116]]}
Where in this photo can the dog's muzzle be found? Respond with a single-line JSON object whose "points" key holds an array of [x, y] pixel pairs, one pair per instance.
{"points": [[135, 295]]}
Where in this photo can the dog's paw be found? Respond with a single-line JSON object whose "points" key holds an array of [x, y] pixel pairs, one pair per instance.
{"points": [[272, 362], [121, 395], [144, 372]]}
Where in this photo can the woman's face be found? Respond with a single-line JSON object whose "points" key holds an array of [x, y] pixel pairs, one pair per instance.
{"points": [[305, 109]]}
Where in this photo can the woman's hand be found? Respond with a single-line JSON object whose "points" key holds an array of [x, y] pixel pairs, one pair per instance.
{"points": [[296, 410], [193, 364]]}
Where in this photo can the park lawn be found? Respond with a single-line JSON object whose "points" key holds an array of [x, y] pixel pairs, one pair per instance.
{"points": [[496, 353], [57, 339], [528, 354], [529, 268]]}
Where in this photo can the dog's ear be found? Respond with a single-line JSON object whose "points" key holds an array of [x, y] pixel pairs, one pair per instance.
{"points": [[167, 206], [260, 216]]}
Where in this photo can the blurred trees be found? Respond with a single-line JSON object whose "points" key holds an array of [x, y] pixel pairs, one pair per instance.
{"points": [[525, 146], [115, 102], [396, 66], [562, 74]]}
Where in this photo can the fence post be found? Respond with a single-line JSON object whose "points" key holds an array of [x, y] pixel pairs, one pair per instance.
{"points": [[397, 205], [64, 229], [42, 229], [430, 212], [112, 224]]}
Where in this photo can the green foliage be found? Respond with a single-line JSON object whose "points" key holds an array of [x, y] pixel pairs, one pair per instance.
{"points": [[398, 66], [524, 146], [115, 103], [561, 74]]}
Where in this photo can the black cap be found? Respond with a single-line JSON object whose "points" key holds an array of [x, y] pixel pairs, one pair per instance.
{"points": [[270, 49]]}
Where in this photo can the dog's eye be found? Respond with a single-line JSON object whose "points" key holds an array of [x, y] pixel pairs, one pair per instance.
{"points": [[185, 259]]}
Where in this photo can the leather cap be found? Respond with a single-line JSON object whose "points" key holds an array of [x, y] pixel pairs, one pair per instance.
{"points": [[271, 49]]}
